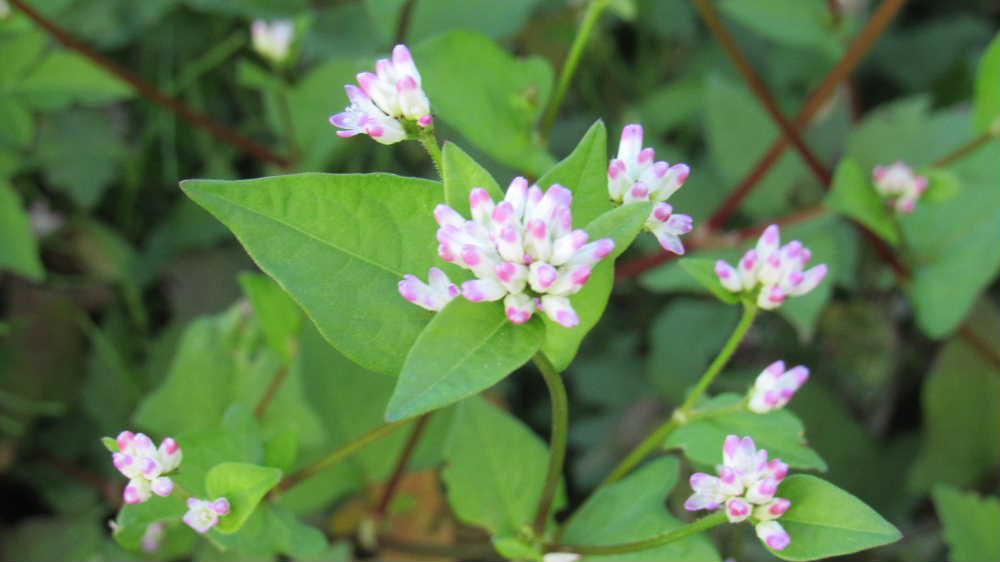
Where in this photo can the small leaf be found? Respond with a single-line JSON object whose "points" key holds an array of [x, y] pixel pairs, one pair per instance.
{"points": [[495, 468], [970, 524], [244, 485], [585, 173], [622, 225], [18, 249], [942, 186], [110, 444], [633, 509], [467, 347], [825, 521], [986, 100], [854, 196], [780, 432], [703, 271], [461, 174]]}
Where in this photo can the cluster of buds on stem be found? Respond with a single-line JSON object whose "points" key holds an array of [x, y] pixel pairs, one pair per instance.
{"points": [[272, 40], [145, 465], [899, 186], [745, 487], [633, 177], [771, 273], [202, 515], [775, 387], [522, 250], [390, 106]]}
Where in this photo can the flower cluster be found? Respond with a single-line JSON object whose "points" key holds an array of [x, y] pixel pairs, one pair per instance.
{"points": [[634, 177], [775, 386], [388, 102], [775, 271], [202, 515], [272, 40], [522, 250], [746, 486], [898, 184], [145, 465]]}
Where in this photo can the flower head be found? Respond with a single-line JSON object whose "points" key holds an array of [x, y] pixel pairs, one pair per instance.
{"points": [[775, 386], [634, 177], [145, 465], [770, 272], [746, 485], [522, 250], [898, 184], [273, 40], [202, 515], [388, 103]]}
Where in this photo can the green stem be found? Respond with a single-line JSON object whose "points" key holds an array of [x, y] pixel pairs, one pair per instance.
{"points": [[557, 449], [430, 144], [340, 454], [590, 18], [683, 414], [692, 528]]}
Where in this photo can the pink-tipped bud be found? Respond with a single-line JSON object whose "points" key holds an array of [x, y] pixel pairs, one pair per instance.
{"points": [[221, 506]]}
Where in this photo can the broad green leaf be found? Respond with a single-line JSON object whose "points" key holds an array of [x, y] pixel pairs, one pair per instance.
{"points": [[703, 271], [987, 94], [249, 8], [780, 432], [133, 520], [953, 243], [492, 98], [16, 126], [338, 244], [495, 468], [461, 174], [683, 338], [64, 78], [633, 509], [854, 196], [970, 524], [244, 485], [585, 173], [942, 185], [961, 404], [270, 532], [279, 317], [281, 450], [18, 249], [467, 347], [621, 225], [825, 521], [81, 154]]}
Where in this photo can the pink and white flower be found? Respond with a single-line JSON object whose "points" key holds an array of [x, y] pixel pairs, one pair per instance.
{"points": [[898, 184], [433, 295], [770, 272], [389, 102], [272, 40], [145, 465], [775, 386], [153, 536], [523, 250], [745, 486], [202, 515], [633, 177]]}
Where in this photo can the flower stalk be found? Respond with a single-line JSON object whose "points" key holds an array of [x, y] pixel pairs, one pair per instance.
{"points": [[559, 437]]}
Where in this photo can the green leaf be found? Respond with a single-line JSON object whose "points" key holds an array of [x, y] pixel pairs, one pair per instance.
{"points": [[622, 225], [942, 185], [279, 317], [493, 99], [110, 444], [64, 78], [18, 249], [970, 524], [495, 468], [271, 531], [461, 174], [633, 509], [703, 271], [952, 243], [338, 244], [986, 100], [780, 432], [81, 153], [854, 196], [585, 173], [468, 347], [244, 485], [794, 23], [961, 405], [16, 125], [133, 520], [825, 521], [281, 450]]}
